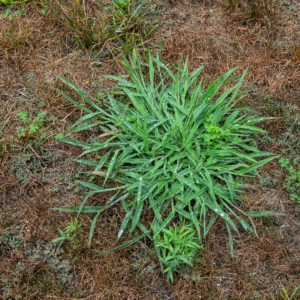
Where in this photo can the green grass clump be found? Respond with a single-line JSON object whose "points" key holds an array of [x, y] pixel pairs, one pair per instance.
{"points": [[174, 146], [179, 246], [75, 16], [94, 25]]}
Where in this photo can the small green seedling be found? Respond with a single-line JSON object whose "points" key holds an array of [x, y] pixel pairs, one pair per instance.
{"points": [[70, 234], [255, 295], [292, 183], [213, 132], [32, 127], [43, 11], [6, 12], [18, 13], [59, 136]]}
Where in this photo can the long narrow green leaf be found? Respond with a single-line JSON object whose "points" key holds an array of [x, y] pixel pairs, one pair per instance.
{"points": [[90, 185], [124, 224], [74, 142], [125, 245], [196, 222], [111, 165], [93, 227], [100, 164], [263, 213], [164, 223], [137, 215], [145, 136], [78, 91], [74, 102], [1, 129], [85, 209], [295, 291], [89, 117], [222, 214], [255, 165], [230, 239]]}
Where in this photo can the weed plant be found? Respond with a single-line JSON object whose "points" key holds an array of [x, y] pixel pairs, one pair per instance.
{"points": [[87, 29], [32, 258], [253, 9], [130, 21], [114, 21], [47, 167], [263, 12], [18, 13], [179, 246], [289, 4], [128, 15], [271, 180], [176, 148], [72, 235], [292, 182], [13, 36], [285, 136], [143, 262], [32, 127], [36, 130]]}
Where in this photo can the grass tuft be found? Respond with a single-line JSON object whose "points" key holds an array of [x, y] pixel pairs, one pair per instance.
{"points": [[175, 148]]}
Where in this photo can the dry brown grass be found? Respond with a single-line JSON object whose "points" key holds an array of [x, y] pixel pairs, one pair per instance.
{"points": [[209, 33]]}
